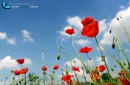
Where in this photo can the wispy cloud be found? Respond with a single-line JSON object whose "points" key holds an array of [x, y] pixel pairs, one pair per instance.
{"points": [[7, 39], [27, 36]]}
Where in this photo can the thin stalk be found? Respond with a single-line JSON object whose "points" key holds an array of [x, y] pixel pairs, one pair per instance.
{"points": [[70, 61], [116, 60], [79, 57], [25, 79], [51, 71], [84, 76], [5, 81], [102, 55], [43, 56], [122, 49]]}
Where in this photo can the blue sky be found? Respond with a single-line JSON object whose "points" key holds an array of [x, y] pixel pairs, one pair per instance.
{"points": [[43, 24]]}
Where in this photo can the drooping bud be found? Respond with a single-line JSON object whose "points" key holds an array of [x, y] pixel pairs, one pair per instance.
{"points": [[110, 31], [112, 69], [58, 56], [113, 44], [118, 19]]}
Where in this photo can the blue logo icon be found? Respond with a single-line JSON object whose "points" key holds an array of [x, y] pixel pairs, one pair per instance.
{"points": [[5, 5]]}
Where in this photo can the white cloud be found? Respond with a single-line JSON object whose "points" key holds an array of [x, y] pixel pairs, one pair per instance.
{"points": [[9, 63], [98, 61], [82, 42], [107, 38], [77, 63], [117, 29], [11, 41], [4, 37], [27, 36], [103, 25], [75, 21]]}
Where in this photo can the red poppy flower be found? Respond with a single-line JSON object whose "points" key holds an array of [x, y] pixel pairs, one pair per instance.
{"points": [[75, 69], [23, 71], [124, 81], [20, 61], [95, 75], [101, 68], [123, 73], [44, 68], [56, 67], [70, 31], [16, 72], [85, 49], [67, 78], [87, 20], [90, 27]]}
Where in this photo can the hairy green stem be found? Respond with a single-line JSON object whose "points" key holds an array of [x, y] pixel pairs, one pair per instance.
{"points": [[69, 61], [102, 54]]}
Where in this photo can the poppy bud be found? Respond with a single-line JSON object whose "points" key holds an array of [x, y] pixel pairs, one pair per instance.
{"points": [[102, 56], [124, 64], [20, 82], [117, 18], [12, 71], [44, 72], [120, 74], [113, 44], [74, 61], [112, 69], [67, 72], [110, 31], [58, 56], [87, 71]]}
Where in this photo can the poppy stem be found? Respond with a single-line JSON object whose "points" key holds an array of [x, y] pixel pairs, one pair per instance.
{"points": [[102, 56], [70, 61], [44, 80], [25, 78], [125, 29], [43, 56], [5, 80], [79, 57], [88, 56], [84, 76]]}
